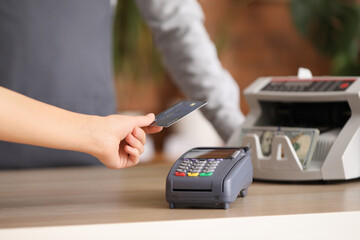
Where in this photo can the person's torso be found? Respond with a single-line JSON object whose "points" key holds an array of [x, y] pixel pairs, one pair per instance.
{"points": [[58, 52]]}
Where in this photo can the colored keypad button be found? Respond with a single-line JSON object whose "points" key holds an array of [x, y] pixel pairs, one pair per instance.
{"points": [[344, 85], [206, 174], [180, 174], [191, 174]]}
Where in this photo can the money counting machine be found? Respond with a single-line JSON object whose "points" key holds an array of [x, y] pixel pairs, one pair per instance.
{"points": [[330, 104]]}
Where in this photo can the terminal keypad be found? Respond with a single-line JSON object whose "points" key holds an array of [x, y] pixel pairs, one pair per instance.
{"points": [[195, 167]]}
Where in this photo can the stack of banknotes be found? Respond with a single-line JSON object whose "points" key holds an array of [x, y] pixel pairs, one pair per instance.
{"points": [[303, 140]]}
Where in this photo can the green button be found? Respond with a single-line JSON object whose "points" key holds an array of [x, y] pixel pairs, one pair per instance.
{"points": [[205, 174]]}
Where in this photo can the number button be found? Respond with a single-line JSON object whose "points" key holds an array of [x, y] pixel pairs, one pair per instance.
{"points": [[183, 167]]}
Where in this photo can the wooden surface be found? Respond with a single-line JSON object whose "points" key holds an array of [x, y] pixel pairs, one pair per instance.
{"points": [[95, 195]]}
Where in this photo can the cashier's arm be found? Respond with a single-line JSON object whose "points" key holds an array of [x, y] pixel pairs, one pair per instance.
{"points": [[116, 140]]}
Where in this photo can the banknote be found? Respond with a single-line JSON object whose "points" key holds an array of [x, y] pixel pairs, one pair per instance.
{"points": [[303, 140]]}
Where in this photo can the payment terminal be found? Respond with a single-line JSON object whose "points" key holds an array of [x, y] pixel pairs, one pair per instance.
{"points": [[209, 177]]}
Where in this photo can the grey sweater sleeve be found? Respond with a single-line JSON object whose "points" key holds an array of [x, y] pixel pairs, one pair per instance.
{"points": [[191, 59]]}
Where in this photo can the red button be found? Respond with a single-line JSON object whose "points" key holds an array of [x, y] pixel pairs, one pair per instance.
{"points": [[180, 174], [344, 85]]}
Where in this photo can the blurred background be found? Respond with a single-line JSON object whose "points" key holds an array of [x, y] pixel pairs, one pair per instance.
{"points": [[254, 38]]}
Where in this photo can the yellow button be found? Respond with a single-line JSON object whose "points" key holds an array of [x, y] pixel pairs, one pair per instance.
{"points": [[190, 174]]}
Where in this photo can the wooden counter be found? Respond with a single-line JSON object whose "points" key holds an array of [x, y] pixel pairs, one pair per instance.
{"points": [[96, 195]]}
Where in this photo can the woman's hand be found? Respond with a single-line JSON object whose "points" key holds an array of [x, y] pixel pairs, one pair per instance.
{"points": [[116, 140], [120, 139]]}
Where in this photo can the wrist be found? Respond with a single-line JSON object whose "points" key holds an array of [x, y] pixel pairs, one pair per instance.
{"points": [[92, 134]]}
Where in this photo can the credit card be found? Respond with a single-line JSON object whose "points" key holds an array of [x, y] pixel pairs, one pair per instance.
{"points": [[176, 112]]}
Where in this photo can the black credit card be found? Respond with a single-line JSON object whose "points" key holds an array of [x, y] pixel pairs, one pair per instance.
{"points": [[176, 112]]}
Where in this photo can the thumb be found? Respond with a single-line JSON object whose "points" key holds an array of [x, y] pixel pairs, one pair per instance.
{"points": [[144, 121]]}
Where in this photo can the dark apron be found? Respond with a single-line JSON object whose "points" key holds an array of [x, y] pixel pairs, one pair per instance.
{"points": [[58, 52]]}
